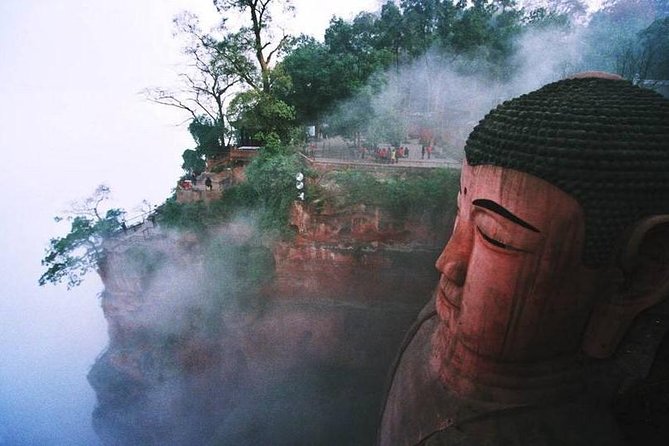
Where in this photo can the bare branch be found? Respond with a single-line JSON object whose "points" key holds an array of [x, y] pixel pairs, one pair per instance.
{"points": [[281, 44], [162, 97]]}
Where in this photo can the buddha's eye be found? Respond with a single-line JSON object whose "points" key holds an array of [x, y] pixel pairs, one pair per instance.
{"points": [[496, 242], [500, 233], [491, 240]]}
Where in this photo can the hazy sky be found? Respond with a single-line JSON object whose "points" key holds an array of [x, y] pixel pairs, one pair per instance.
{"points": [[71, 117]]}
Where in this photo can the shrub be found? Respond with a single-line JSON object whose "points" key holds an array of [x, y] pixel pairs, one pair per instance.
{"points": [[433, 192]]}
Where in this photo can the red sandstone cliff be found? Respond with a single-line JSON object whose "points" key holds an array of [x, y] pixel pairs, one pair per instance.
{"points": [[206, 347], [358, 254]]}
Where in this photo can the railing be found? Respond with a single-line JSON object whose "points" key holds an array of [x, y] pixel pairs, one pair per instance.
{"points": [[140, 227], [337, 151]]}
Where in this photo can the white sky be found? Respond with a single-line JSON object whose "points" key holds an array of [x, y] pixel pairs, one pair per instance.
{"points": [[70, 119]]}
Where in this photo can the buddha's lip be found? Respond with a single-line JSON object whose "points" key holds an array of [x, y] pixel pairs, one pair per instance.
{"points": [[450, 293]]}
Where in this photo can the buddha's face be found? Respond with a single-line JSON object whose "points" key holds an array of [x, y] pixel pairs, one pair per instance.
{"points": [[513, 287]]}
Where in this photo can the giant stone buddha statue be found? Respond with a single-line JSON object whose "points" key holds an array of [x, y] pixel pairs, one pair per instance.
{"points": [[563, 203]]}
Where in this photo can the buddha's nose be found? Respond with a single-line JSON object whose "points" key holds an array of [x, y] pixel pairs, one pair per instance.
{"points": [[453, 265]]}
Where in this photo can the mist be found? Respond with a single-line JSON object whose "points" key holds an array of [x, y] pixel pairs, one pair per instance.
{"points": [[201, 352], [450, 93]]}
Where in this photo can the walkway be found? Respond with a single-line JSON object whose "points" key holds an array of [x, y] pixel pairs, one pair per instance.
{"points": [[334, 151]]}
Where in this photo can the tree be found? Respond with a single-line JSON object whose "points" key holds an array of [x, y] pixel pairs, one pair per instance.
{"points": [[216, 68], [561, 10], [613, 35], [307, 67], [353, 116], [69, 258], [225, 65], [258, 111], [257, 36], [194, 162], [387, 125], [262, 115], [273, 179], [360, 43], [390, 30], [319, 79], [543, 18], [420, 24], [654, 51], [487, 30]]}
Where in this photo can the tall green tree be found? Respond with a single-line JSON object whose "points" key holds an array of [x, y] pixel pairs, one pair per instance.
{"points": [[264, 116], [225, 63], [309, 71], [319, 78], [258, 110], [256, 35], [487, 31], [391, 31], [420, 19]]}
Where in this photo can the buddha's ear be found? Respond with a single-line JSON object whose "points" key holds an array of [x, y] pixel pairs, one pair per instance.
{"points": [[642, 281]]}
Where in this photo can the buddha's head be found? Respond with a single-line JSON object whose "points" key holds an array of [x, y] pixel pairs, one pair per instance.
{"points": [[563, 203]]}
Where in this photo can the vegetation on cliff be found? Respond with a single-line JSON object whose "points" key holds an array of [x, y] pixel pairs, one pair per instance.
{"points": [[70, 257], [431, 193], [268, 192]]}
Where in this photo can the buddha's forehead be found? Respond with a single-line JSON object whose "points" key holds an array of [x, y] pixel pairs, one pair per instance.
{"points": [[525, 195]]}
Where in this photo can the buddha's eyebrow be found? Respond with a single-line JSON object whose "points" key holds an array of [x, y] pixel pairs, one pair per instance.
{"points": [[502, 211]]}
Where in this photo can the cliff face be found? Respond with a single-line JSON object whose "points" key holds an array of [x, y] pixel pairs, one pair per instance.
{"points": [[230, 340], [357, 254]]}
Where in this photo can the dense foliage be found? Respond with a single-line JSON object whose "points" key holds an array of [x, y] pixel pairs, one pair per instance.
{"points": [[263, 115], [199, 216], [432, 193], [478, 38], [266, 195]]}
